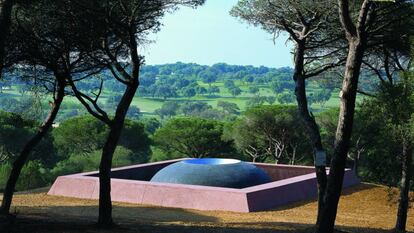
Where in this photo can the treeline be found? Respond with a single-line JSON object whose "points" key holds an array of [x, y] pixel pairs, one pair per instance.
{"points": [[181, 80]]}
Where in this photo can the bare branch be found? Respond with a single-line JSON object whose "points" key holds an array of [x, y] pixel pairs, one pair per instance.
{"points": [[90, 104]]}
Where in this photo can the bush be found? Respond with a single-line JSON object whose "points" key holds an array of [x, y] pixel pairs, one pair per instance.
{"points": [[15, 132], [85, 134], [192, 137], [5, 170], [33, 175], [90, 162], [263, 130], [161, 155]]}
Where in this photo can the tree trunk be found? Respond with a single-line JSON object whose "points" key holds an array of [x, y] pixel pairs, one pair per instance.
{"points": [[309, 120], [30, 145], [343, 136], [5, 16], [116, 126], [105, 202], [404, 188]]}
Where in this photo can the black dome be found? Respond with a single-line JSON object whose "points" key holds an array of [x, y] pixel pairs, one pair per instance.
{"points": [[230, 173]]}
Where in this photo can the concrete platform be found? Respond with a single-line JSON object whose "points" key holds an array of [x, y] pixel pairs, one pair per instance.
{"points": [[131, 184]]}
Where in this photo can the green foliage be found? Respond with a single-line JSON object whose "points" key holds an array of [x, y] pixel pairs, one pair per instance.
{"points": [[15, 132], [327, 121], [230, 108], [271, 99], [168, 109], [85, 134], [5, 169], [192, 137], [160, 155], [235, 91], [320, 96], [386, 124], [281, 86], [90, 162], [213, 90], [113, 100], [208, 76], [33, 175], [151, 125], [229, 84], [271, 132], [286, 97], [200, 90], [254, 90], [189, 92], [134, 113], [165, 91], [256, 101], [79, 135], [181, 76], [135, 139], [194, 108]]}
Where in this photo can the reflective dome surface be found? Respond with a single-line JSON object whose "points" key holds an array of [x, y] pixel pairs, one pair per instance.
{"points": [[230, 173]]}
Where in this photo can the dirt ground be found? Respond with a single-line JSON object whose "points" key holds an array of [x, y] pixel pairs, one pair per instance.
{"points": [[365, 208]]}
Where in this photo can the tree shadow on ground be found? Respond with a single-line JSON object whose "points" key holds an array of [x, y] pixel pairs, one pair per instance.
{"points": [[38, 224], [124, 213], [72, 217], [345, 192]]}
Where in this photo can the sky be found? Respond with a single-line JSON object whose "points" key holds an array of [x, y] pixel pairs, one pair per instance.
{"points": [[209, 35]]}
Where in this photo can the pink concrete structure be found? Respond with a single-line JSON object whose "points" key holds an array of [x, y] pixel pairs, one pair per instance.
{"points": [[131, 184]]}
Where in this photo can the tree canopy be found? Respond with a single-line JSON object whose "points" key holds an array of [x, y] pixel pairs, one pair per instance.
{"points": [[192, 137]]}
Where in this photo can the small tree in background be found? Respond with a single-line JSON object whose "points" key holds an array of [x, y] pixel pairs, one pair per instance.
{"points": [[271, 132], [235, 91], [192, 137], [189, 92], [213, 90], [208, 76], [228, 107], [168, 109]]}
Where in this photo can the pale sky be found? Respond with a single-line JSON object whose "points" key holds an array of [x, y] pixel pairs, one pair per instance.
{"points": [[209, 35]]}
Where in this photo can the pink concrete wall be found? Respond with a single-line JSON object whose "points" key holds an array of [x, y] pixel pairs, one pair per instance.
{"points": [[255, 198], [282, 192], [142, 192], [284, 171]]}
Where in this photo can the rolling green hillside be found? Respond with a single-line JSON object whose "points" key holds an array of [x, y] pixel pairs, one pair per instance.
{"points": [[182, 83]]}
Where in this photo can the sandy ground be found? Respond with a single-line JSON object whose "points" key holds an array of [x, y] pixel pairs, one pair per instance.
{"points": [[365, 208]]}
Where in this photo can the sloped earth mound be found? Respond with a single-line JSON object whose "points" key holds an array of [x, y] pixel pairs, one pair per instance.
{"points": [[364, 209]]}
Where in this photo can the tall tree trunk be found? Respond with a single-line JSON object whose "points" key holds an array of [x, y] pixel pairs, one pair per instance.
{"points": [[309, 120], [343, 136], [117, 124], [5, 16], [404, 188], [30, 145]]}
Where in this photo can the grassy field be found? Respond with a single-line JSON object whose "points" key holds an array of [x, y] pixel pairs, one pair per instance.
{"points": [[148, 105], [363, 209]]}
